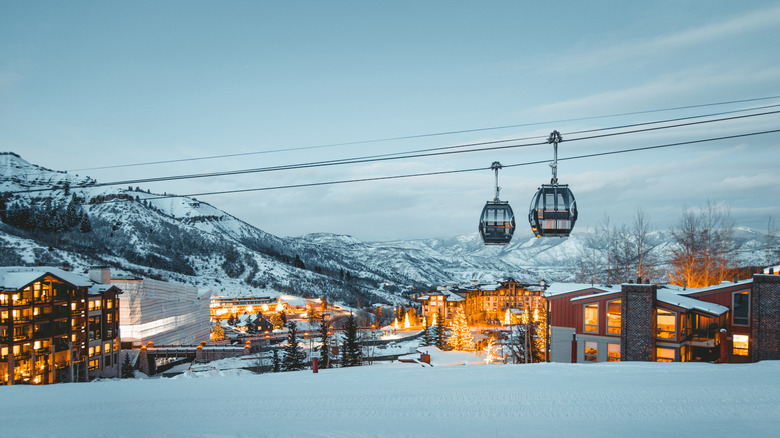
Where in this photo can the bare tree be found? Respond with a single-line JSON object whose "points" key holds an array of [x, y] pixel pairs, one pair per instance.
{"points": [[704, 247], [772, 250]]}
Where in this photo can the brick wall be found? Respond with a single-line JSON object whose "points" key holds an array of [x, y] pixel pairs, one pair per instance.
{"points": [[765, 317], [637, 322]]}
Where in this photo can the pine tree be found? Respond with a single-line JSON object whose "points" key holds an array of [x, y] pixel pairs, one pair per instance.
{"points": [[460, 337], [127, 368], [427, 338], [351, 351], [439, 331], [275, 361], [219, 333], [325, 344], [293, 354]]}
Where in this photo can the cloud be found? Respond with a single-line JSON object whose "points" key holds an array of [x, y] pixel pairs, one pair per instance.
{"points": [[642, 48]]}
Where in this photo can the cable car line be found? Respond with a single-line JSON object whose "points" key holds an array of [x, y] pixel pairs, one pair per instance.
{"points": [[409, 137], [360, 160], [447, 172]]}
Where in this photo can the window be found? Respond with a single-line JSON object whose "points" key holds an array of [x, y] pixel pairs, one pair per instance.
{"points": [[93, 364], [665, 324], [591, 351], [592, 318], [741, 308], [740, 345], [109, 304], [613, 318], [664, 354], [613, 352]]}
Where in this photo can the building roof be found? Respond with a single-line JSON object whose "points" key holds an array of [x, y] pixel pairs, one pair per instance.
{"points": [[725, 284], [563, 288], [448, 296], [669, 297], [17, 277]]}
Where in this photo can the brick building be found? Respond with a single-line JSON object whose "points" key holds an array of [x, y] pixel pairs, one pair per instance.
{"points": [[57, 326], [730, 322]]}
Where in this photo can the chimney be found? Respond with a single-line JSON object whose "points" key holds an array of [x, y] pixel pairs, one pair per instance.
{"points": [[100, 274]]}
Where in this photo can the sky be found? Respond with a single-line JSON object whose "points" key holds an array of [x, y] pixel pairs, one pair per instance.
{"points": [[89, 86]]}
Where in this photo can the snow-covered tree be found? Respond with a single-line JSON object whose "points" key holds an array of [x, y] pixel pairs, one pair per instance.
{"points": [[127, 368], [460, 335]]}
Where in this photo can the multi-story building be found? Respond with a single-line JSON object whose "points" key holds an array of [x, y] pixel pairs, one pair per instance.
{"points": [[483, 304], [161, 312], [729, 322], [57, 326]]}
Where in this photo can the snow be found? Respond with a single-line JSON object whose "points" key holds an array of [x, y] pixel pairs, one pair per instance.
{"points": [[408, 400]]}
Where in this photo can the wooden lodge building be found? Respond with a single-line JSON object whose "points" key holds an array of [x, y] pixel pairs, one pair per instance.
{"points": [[57, 326], [482, 304], [730, 322]]}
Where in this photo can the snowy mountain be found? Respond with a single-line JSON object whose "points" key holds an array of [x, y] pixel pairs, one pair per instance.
{"points": [[54, 218]]}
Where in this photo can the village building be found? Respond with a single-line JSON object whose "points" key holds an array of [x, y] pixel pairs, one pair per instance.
{"points": [[730, 322], [57, 326], [483, 304], [161, 312]]}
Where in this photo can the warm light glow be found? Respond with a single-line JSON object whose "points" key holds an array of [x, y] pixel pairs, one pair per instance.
{"points": [[525, 318], [265, 307], [490, 352], [536, 315], [507, 317], [395, 324], [279, 307], [249, 309], [740, 344], [406, 321]]}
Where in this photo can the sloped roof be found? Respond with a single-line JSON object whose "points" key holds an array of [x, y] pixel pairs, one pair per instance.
{"points": [[17, 277], [669, 297], [563, 288]]}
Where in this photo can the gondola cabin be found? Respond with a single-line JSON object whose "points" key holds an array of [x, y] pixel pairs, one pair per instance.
{"points": [[553, 211], [497, 223]]}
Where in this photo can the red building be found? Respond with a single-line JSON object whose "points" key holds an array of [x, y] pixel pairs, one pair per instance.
{"points": [[731, 322]]}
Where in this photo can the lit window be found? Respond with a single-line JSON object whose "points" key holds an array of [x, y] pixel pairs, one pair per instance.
{"points": [[591, 351], [740, 345], [666, 324], [109, 304], [741, 308], [613, 318], [592, 318], [107, 347], [664, 354], [613, 352]]}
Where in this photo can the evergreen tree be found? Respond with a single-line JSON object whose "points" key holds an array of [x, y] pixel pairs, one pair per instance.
{"points": [[351, 351], [277, 321], [293, 354], [460, 337], [325, 344], [86, 225], [439, 331], [219, 333], [127, 368], [427, 338], [275, 361]]}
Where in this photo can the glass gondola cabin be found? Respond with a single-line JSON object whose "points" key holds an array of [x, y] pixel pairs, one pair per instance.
{"points": [[497, 223], [553, 211]]}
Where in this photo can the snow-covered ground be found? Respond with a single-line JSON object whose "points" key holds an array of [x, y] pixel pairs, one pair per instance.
{"points": [[607, 399]]}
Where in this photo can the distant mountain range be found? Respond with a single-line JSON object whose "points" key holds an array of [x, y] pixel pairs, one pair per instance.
{"points": [[55, 218]]}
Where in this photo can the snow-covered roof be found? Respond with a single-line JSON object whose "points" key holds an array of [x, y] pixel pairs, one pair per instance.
{"points": [[563, 288], [669, 297], [448, 296], [596, 295], [17, 277], [772, 269], [97, 289], [690, 291]]}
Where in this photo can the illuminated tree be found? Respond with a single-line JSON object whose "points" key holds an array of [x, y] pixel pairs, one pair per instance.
{"points": [[704, 248], [539, 336], [219, 333], [293, 354], [277, 321], [460, 336], [490, 352], [508, 317]]}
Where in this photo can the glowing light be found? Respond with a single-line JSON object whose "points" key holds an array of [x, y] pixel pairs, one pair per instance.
{"points": [[490, 351], [265, 307], [406, 321], [395, 324], [249, 309]]}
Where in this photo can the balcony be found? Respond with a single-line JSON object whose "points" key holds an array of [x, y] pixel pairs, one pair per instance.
{"points": [[704, 337]]}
